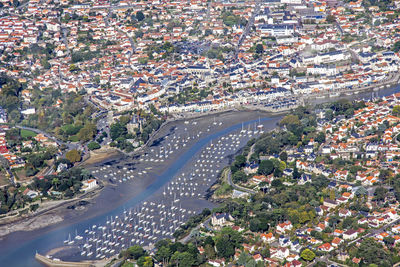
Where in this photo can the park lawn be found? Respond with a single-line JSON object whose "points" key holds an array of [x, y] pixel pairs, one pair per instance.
{"points": [[27, 133]]}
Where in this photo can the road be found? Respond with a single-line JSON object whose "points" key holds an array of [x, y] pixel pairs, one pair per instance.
{"points": [[246, 31], [374, 232], [206, 224], [59, 142], [69, 146], [237, 187], [339, 28], [17, 8], [107, 22]]}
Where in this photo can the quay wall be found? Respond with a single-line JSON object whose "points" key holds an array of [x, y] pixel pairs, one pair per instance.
{"points": [[52, 263]]}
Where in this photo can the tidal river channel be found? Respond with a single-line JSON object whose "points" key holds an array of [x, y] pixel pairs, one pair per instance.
{"points": [[171, 177], [192, 151]]}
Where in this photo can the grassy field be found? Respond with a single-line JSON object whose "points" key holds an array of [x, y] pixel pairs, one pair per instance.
{"points": [[27, 133]]}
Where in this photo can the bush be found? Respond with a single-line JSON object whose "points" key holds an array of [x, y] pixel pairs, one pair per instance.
{"points": [[34, 207], [93, 146]]}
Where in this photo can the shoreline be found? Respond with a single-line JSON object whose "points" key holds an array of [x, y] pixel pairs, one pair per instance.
{"points": [[114, 195], [12, 242], [108, 156], [105, 156], [43, 218]]}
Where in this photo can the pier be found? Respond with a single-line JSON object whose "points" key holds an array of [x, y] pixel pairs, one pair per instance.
{"points": [[58, 263]]}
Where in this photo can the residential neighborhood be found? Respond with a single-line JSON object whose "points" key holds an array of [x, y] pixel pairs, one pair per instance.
{"points": [[107, 94], [202, 60]]}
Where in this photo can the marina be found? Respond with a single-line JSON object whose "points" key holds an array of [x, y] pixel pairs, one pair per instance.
{"points": [[170, 180], [161, 215], [146, 182]]}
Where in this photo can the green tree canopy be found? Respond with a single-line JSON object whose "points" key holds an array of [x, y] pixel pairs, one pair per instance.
{"points": [[307, 255], [93, 146], [73, 155], [239, 176], [145, 261], [183, 259], [373, 252], [396, 110], [135, 252], [396, 46], [259, 49], [139, 16], [266, 167]]}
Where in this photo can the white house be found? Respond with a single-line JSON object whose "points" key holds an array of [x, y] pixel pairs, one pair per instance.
{"points": [[350, 234], [89, 185], [220, 219]]}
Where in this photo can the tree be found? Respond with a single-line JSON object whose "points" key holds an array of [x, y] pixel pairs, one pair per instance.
{"points": [[45, 63], [396, 46], [117, 130], [373, 252], [69, 193], [135, 252], [30, 170], [56, 182], [239, 176], [266, 167], [380, 193], [320, 137], [73, 155], [330, 19], [307, 255], [347, 222], [14, 116], [259, 49], [254, 225], [240, 161], [87, 132], [396, 110], [290, 119], [209, 241], [209, 251], [283, 156], [227, 241], [243, 258], [139, 16], [163, 254], [389, 241], [296, 173], [225, 248], [145, 261], [182, 259], [329, 114], [93, 145]]}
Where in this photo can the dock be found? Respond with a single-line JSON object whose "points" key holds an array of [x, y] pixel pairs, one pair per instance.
{"points": [[58, 263]]}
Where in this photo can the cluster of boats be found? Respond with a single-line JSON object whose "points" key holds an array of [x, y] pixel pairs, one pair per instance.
{"points": [[164, 212], [113, 175], [140, 226]]}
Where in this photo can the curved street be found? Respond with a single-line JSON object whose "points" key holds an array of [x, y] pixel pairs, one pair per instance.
{"points": [[237, 187]]}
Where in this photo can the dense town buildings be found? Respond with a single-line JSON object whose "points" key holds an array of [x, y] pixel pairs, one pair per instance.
{"points": [[203, 50], [183, 57]]}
